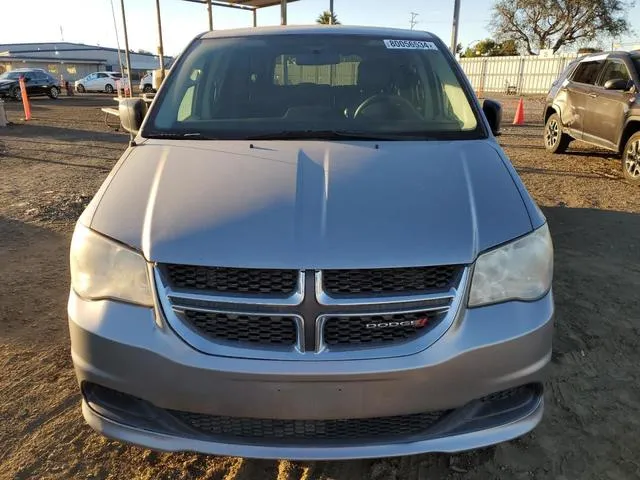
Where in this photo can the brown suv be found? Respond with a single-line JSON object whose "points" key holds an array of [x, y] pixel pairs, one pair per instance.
{"points": [[596, 100]]}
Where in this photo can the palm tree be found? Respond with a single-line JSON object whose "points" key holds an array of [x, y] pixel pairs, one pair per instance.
{"points": [[326, 18]]}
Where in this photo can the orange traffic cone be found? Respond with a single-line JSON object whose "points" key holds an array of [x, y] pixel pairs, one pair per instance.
{"points": [[519, 118]]}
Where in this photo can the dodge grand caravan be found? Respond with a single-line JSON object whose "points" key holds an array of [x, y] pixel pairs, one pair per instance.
{"points": [[314, 248]]}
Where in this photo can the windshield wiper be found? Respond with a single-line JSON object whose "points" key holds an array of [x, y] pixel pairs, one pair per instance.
{"points": [[336, 135], [179, 135]]}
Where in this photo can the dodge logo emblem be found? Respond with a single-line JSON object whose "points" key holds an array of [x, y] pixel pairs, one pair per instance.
{"points": [[421, 322]]}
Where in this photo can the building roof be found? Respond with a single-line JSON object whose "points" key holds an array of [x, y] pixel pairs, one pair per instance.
{"points": [[322, 30], [44, 47], [10, 58]]}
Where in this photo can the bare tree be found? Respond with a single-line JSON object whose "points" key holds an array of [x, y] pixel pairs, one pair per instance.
{"points": [[542, 24]]}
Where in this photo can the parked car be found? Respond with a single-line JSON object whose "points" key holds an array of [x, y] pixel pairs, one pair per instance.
{"points": [[38, 82], [146, 83], [101, 82], [597, 102], [314, 248]]}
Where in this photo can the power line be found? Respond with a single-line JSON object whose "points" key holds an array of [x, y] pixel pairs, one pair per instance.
{"points": [[413, 22], [115, 28]]}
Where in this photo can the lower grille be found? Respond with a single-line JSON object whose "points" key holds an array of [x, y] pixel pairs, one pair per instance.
{"points": [[401, 426], [381, 328], [255, 329], [499, 408]]}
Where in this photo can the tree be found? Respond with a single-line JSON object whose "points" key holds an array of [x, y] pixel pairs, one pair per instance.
{"points": [[325, 18], [553, 24], [491, 48]]}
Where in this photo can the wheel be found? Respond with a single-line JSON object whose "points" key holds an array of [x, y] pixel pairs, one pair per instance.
{"points": [[555, 141], [108, 88], [53, 92], [631, 159], [16, 94], [80, 88], [147, 89]]}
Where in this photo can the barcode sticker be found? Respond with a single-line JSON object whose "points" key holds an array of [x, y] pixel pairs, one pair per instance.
{"points": [[410, 45]]}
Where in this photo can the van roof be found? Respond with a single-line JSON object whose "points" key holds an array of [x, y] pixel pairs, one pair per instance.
{"points": [[319, 30]]}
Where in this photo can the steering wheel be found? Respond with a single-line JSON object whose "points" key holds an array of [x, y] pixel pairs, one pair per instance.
{"points": [[397, 101]]}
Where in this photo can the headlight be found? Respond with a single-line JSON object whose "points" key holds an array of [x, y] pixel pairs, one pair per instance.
{"points": [[520, 270], [102, 268]]}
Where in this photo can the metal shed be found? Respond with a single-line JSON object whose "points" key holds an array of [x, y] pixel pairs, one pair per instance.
{"points": [[248, 5]]}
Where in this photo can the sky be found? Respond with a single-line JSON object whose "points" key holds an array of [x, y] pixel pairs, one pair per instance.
{"points": [[91, 21]]}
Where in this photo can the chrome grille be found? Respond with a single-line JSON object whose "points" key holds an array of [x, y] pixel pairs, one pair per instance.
{"points": [[232, 280], [386, 281], [307, 323], [373, 429], [243, 328], [345, 330]]}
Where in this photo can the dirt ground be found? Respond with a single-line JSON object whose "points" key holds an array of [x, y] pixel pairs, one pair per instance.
{"points": [[50, 168]]}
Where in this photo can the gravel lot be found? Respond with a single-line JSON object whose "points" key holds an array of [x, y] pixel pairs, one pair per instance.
{"points": [[50, 168]]}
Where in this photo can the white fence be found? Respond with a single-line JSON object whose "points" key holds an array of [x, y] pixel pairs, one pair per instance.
{"points": [[514, 75]]}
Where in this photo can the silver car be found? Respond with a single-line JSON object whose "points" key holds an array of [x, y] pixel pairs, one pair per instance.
{"points": [[314, 248]]}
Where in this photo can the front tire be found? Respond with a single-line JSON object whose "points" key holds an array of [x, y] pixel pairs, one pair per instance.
{"points": [[555, 140], [631, 160], [80, 88], [108, 88], [53, 93]]}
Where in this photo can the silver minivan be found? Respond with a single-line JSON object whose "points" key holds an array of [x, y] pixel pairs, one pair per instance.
{"points": [[313, 248]]}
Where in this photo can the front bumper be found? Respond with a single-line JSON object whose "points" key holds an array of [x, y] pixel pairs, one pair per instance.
{"points": [[490, 349]]}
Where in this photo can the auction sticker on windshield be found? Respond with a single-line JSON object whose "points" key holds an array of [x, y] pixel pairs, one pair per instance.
{"points": [[410, 45]]}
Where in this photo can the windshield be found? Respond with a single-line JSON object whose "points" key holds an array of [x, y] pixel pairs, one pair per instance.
{"points": [[286, 86], [11, 75]]}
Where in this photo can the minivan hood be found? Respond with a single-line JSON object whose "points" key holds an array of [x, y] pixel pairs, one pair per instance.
{"points": [[312, 204]]}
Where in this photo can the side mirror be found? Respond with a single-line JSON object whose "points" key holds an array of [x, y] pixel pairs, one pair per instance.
{"points": [[493, 111], [132, 112], [617, 84]]}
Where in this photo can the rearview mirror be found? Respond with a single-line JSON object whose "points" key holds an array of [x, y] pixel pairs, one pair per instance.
{"points": [[132, 112], [317, 58], [493, 112], [617, 84]]}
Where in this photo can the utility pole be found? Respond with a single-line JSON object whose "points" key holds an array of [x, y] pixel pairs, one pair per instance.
{"points": [[160, 45], [413, 20], [210, 14], [126, 46], [456, 23], [331, 12]]}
